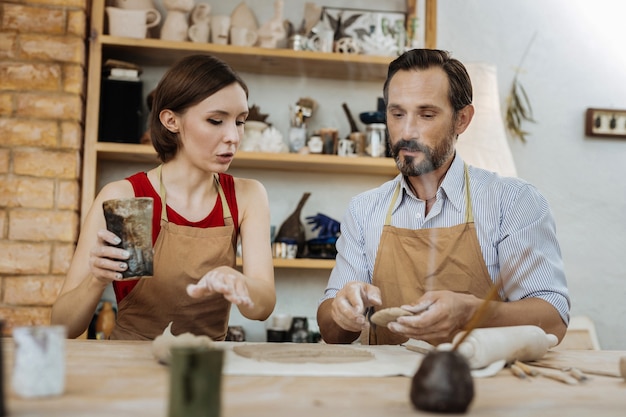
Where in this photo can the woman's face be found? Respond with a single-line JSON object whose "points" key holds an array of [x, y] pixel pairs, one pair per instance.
{"points": [[211, 131]]}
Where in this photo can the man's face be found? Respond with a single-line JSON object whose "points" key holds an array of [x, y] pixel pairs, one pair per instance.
{"points": [[421, 121]]}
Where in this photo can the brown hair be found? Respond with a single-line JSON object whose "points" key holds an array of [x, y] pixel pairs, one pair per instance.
{"points": [[191, 80], [460, 91]]}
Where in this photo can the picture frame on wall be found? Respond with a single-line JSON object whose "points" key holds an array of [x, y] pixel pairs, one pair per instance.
{"points": [[357, 23], [376, 32]]}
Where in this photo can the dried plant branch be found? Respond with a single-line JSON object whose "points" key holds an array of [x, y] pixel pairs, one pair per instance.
{"points": [[480, 314], [518, 107]]}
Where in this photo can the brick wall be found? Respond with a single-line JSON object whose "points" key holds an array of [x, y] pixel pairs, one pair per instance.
{"points": [[42, 85]]}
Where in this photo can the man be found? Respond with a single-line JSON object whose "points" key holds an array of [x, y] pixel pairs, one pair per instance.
{"points": [[435, 239]]}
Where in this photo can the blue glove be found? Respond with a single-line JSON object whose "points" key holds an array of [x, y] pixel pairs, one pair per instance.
{"points": [[327, 227]]}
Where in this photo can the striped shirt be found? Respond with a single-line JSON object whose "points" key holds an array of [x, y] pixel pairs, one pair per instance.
{"points": [[515, 227]]}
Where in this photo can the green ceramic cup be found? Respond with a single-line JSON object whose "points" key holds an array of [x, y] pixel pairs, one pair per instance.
{"points": [[195, 382]]}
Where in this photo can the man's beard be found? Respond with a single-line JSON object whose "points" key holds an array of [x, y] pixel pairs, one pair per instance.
{"points": [[434, 157]]}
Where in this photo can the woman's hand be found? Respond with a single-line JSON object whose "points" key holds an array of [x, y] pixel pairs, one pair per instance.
{"points": [[107, 262], [222, 280]]}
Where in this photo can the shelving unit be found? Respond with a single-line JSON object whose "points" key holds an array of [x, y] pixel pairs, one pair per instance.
{"points": [[155, 52], [259, 160], [301, 263]]}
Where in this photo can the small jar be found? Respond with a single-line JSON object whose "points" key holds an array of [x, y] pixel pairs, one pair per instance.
{"points": [[375, 140]]}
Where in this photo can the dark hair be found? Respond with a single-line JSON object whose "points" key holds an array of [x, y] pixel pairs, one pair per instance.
{"points": [[191, 80], [460, 91]]}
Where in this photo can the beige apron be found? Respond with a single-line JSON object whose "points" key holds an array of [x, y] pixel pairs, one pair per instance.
{"points": [[182, 255], [410, 262]]}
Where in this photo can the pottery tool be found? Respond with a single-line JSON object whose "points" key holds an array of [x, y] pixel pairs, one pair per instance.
{"points": [[571, 376], [526, 369], [560, 377], [517, 371], [579, 370], [353, 127]]}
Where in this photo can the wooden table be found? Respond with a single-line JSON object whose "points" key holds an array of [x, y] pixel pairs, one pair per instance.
{"points": [[114, 379]]}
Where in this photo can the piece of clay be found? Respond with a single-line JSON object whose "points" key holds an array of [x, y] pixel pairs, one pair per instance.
{"points": [[302, 353], [162, 344], [387, 315]]}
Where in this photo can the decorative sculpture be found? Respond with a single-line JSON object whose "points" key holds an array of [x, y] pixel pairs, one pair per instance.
{"points": [[273, 31], [292, 228], [175, 26]]}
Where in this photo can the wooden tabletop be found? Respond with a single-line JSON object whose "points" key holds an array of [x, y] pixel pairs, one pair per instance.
{"points": [[107, 378]]}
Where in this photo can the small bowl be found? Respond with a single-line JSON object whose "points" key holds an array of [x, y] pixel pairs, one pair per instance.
{"points": [[370, 117]]}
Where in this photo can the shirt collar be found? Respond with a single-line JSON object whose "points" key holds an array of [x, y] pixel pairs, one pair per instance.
{"points": [[452, 186]]}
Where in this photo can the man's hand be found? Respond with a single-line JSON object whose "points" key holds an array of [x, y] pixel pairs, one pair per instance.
{"points": [[350, 303], [446, 314]]}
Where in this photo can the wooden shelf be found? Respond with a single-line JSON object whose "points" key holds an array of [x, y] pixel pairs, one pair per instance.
{"points": [[156, 52], [301, 263], [260, 160], [282, 62]]}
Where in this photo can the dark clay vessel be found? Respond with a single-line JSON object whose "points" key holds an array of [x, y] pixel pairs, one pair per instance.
{"points": [[443, 383]]}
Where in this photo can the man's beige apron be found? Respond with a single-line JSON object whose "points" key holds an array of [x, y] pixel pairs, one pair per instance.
{"points": [[182, 255], [410, 262]]}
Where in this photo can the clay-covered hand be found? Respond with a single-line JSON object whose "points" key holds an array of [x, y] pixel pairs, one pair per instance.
{"points": [[223, 280], [439, 315], [350, 303], [106, 261]]}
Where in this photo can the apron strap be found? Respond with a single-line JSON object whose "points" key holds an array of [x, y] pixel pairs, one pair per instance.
{"points": [[225, 207], [218, 186], [396, 193], [162, 194], [469, 214]]}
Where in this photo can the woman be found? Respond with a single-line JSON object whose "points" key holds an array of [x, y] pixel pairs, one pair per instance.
{"points": [[197, 122]]}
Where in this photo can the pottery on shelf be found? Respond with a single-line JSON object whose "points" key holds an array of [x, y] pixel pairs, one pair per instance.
{"points": [[292, 228], [242, 17], [175, 27], [273, 32]]}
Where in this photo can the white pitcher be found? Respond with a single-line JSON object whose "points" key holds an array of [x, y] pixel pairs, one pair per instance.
{"points": [[130, 23]]}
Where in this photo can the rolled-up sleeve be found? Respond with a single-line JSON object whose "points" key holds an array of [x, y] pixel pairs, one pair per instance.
{"points": [[529, 254]]}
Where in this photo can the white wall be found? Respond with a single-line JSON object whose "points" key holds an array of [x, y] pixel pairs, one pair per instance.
{"points": [[576, 61]]}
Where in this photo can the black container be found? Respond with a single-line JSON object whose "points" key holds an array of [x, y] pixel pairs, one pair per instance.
{"points": [[277, 336], [121, 111]]}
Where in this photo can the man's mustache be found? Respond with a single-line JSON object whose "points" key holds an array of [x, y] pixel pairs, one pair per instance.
{"points": [[411, 146]]}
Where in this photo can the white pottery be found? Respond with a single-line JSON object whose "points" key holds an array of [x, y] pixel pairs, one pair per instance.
{"points": [[130, 23], [199, 32], [220, 28], [134, 4], [241, 36], [201, 13], [175, 26]]}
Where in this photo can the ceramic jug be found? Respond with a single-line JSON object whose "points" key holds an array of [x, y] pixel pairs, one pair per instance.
{"points": [[130, 23], [134, 4]]}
